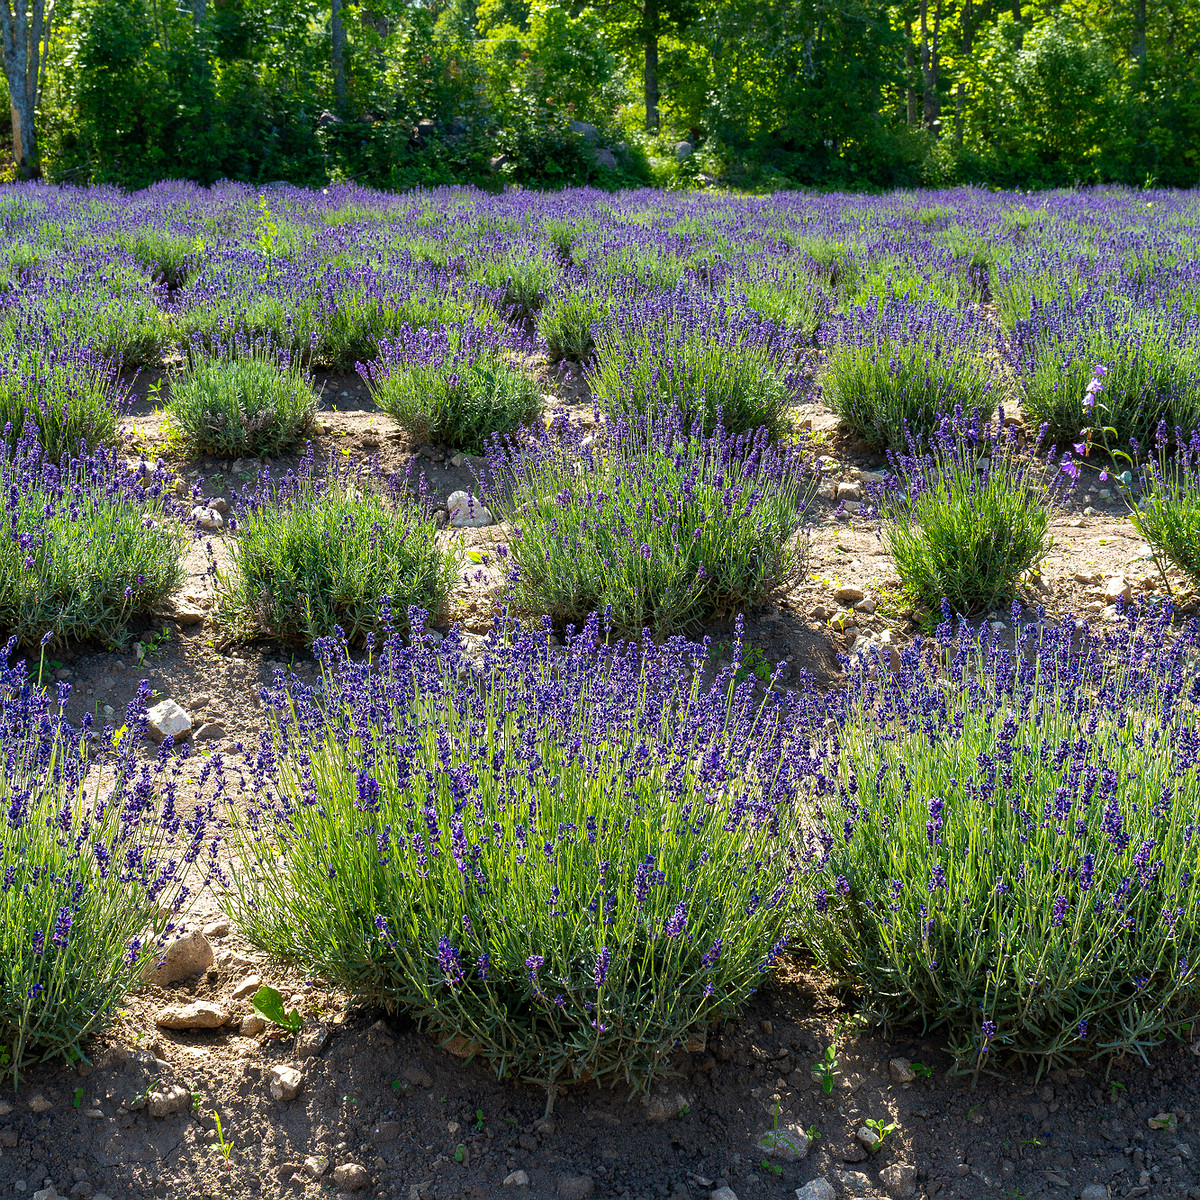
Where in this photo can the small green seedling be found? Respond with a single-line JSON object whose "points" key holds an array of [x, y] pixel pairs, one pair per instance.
{"points": [[1114, 1088], [479, 1120], [1163, 1120], [921, 1069], [882, 1129], [812, 1133], [78, 1097], [827, 1067], [225, 1148], [460, 1152], [398, 1085], [772, 1167], [268, 1003]]}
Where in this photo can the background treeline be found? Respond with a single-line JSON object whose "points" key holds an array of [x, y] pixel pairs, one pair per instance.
{"points": [[766, 93]]}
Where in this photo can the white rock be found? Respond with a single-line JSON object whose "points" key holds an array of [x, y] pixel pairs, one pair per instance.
{"points": [[219, 505], [284, 1082], [1094, 1191], [247, 987], [166, 719], [197, 1015], [468, 512], [316, 1167], [819, 1189], [1117, 589], [848, 594], [516, 1179], [849, 491], [217, 928], [46, 1194], [207, 518], [252, 1025], [459, 460], [900, 1069], [868, 1137], [39, 1104], [185, 956]]}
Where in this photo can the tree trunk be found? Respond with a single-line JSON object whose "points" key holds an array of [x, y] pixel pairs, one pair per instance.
{"points": [[910, 61], [199, 11], [650, 46], [22, 29], [1138, 48], [337, 32]]}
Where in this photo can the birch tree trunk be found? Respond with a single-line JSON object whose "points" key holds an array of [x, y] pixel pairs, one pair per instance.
{"points": [[24, 27]]}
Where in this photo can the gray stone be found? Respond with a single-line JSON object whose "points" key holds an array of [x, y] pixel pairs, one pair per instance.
{"points": [[849, 491], [207, 518], [210, 731], [247, 987], [168, 1101], [316, 1165], [900, 1069], [848, 594], [351, 1177], [789, 1144], [900, 1180], [39, 1104], [576, 1187], [284, 1082], [187, 955], [868, 1137], [197, 1015], [166, 719], [252, 1025], [664, 1105], [1094, 1191], [516, 1179], [586, 130], [312, 1042], [683, 150], [605, 158], [723, 1193]]}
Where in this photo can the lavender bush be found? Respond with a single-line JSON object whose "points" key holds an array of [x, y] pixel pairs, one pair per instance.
{"points": [[657, 527], [452, 385], [894, 369], [243, 400], [697, 357], [1167, 511], [1008, 849], [316, 550], [94, 863], [966, 518], [572, 859], [87, 545]]}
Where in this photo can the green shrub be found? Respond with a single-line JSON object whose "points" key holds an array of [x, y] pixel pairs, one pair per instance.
{"points": [[520, 281], [696, 356], [968, 518], [91, 876], [91, 546], [68, 399], [453, 386], [568, 323], [894, 370], [247, 401], [1167, 514], [656, 529], [166, 257], [313, 554], [1007, 850], [572, 862]]}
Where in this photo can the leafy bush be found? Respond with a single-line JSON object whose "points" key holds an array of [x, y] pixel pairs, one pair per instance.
{"points": [[315, 553], [655, 528], [568, 323], [512, 881], [520, 281], [69, 399], [87, 547], [91, 876], [1167, 514], [697, 356], [1008, 848], [246, 400], [1153, 361], [968, 517], [451, 385], [893, 370], [165, 256]]}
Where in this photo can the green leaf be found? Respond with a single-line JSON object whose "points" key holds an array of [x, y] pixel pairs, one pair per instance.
{"points": [[268, 1003]]}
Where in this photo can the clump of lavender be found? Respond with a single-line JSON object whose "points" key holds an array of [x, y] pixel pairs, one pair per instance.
{"points": [[246, 399], [571, 856], [694, 356], [1152, 357], [87, 545], [896, 368], [1009, 846], [1167, 512], [657, 527], [967, 517], [452, 385], [317, 549], [97, 865], [69, 399]]}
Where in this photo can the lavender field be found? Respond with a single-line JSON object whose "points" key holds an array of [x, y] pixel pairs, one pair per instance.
{"points": [[735, 650]]}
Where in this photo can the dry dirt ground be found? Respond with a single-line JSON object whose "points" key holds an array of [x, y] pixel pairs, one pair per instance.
{"points": [[383, 1111]]}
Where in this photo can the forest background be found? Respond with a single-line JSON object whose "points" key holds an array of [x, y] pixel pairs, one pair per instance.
{"points": [[753, 94]]}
